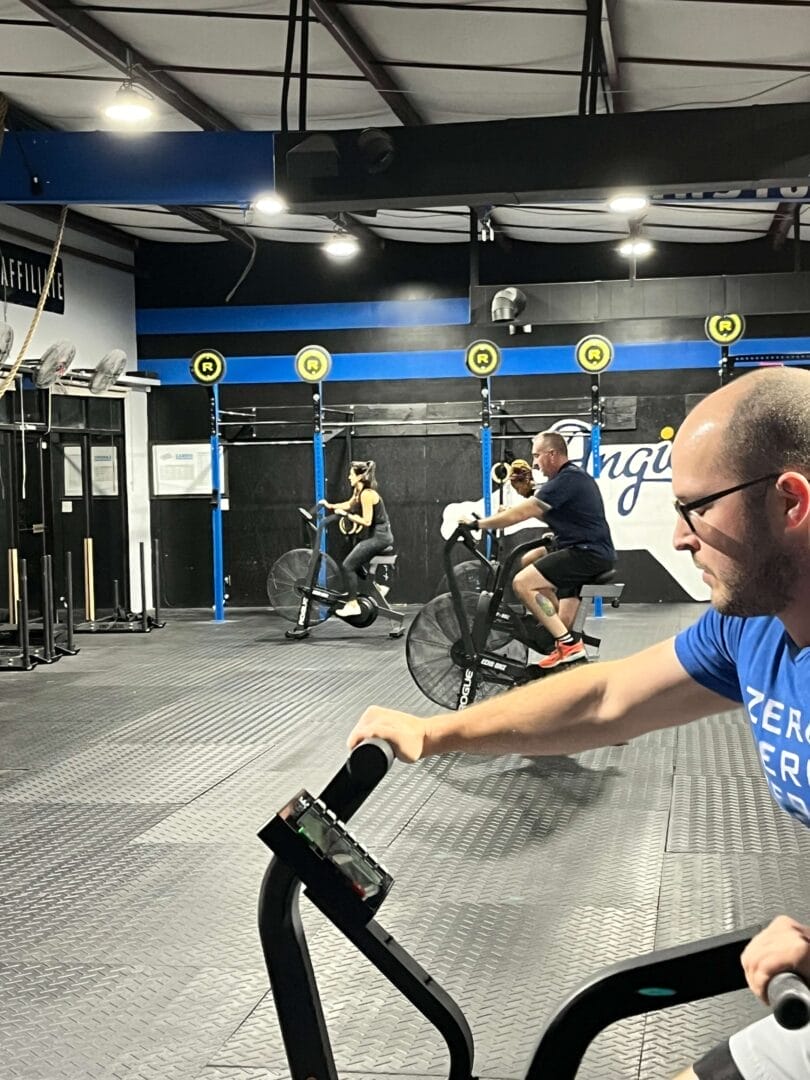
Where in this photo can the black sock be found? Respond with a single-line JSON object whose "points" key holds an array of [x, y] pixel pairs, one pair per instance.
{"points": [[566, 639]]}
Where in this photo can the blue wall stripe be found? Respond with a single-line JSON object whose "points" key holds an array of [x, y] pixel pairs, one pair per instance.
{"points": [[449, 363], [220, 320]]}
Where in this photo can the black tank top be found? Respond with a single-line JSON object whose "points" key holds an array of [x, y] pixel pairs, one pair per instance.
{"points": [[379, 515], [379, 519]]}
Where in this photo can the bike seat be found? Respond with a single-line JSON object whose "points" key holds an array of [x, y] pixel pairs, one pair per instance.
{"points": [[604, 578]]}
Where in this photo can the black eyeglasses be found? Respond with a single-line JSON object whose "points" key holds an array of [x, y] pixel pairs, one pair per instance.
{"points": [[685, 509]]}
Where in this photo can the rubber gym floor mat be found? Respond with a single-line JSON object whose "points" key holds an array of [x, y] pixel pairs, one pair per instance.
{"points": [[707, 894], [67, 830], [256, 714], [131, 773], [235, 810], [182, 909], [735, 813], [504, 965], [224, 718], [636, 626], [82, 702], [35, 742], [537, 873], [718, 746], [637, 774], [100, 1021], [129, 865], [675, 1038]]}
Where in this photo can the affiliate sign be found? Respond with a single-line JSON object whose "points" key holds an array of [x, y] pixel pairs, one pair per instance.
{"points": [[22, 278]]}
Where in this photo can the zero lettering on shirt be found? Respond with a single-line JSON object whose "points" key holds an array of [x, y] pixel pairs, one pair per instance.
{"points": [[783, 741]]}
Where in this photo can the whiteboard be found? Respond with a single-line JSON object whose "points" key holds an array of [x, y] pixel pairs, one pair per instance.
{"points": [[184, 469]]}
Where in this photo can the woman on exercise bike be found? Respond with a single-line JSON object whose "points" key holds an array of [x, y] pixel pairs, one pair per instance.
{"points": [[366, 510]]}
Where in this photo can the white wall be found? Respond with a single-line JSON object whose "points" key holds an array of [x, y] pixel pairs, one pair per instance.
{"points": [[99, 315]]}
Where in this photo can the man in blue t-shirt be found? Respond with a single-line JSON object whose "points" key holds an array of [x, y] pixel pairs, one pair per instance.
{"points": [[570, 503], [741, 473]]}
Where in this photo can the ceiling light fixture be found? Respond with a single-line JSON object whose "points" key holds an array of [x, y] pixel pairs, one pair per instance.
{"points": [[628, 203], [635, 248], [129, 106], [270, 204], [341, 245]]}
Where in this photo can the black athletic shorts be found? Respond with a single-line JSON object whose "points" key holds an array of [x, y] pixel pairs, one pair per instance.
{"points": [[718, 1064], [570, 568]]}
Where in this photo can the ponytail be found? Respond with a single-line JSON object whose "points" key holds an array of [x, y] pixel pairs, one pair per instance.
{"points": [[366, 473]]}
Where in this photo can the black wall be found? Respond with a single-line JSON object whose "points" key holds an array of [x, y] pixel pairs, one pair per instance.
{"points": [[419, 475], [180, 275]]}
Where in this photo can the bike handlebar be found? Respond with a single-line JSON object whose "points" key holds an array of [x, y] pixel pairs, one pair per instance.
{"points": [[369, 761], [789, 997]]}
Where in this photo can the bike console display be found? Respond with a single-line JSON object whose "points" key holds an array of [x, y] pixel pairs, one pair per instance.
{"points": [[311, 839]]}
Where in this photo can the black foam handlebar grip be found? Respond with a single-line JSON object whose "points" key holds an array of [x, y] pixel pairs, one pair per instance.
{"points": [[369, 761], [789, 997]]}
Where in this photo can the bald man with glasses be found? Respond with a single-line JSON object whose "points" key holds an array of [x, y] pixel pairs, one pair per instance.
{"points": [[750, 441]]}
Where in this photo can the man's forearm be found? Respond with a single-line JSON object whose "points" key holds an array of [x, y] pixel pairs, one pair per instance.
{"points": [[558, 716], [511, 515], [596, 705]]}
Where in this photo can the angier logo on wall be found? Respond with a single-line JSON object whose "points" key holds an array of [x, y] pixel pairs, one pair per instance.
{"points": [[23, 273]]}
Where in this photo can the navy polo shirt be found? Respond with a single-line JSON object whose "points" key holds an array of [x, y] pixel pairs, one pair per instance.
{"points": [[576, 511]]}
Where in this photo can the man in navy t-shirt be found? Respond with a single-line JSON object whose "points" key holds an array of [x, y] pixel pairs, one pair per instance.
{"points": [[570, 503], [741, 474]]}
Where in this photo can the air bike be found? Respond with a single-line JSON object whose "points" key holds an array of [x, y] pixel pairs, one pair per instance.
{"points": [[464, 645], [306, 586], [312, 847]]}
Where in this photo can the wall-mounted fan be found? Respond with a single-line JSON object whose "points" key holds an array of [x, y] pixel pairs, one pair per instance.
{"points": [[111, 367], [6, 341], [55, 361]]}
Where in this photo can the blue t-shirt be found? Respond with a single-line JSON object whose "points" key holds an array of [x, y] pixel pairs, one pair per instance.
{"points": [[755, 661], [576, 512]]}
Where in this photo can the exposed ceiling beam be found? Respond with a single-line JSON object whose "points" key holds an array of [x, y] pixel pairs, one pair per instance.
{"points": [[81, 223], [19, 118], [213, 224], [756, 3], [65, 249], [609, 51], [351, 41], [487, 161], [356, 228], [338, 24], [121, 55], [722, 65], [781, 224]]}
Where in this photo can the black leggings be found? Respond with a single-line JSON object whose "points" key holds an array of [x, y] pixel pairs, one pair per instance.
{"points": [[362, 554]]}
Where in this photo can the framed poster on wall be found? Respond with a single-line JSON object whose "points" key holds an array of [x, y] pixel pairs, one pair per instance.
{"points": [[182, 469], [104, 470]]}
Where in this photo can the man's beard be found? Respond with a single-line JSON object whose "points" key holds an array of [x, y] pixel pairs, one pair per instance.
{"points": [[764, 587]]}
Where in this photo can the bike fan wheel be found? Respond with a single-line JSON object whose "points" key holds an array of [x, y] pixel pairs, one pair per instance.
{"points": [[433, 641], [289, 574], [470, 575]]}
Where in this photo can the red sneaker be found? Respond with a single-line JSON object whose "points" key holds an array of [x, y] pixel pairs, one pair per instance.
{"points": [[563, 654]]}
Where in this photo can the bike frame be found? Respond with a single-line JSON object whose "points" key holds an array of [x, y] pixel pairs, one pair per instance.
{"points": [[478, 664]]}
